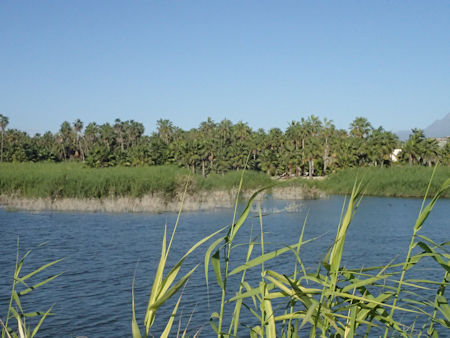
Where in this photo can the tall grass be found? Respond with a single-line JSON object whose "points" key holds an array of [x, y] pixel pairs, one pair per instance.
{"points": [[73, 180], [331, 301], [397, 181]]}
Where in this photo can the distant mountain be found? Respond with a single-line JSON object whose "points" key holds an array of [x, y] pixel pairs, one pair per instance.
{"points": [[403, 134], [439, 128]]}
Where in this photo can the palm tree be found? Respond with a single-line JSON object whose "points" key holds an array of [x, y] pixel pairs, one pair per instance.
{"points": [[312, 143], [91, 136], [119, 129], [430, 151], [413, 147], [77, 127], [360, 128], [165, 130], [3, 123], [65, 139], [381, 144], [327, 132]]}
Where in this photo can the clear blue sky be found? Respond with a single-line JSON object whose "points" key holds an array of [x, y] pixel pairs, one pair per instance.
{"points": [[263, 62]]}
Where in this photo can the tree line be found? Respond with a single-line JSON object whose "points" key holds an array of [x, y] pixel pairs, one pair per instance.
{"points": [[308, 147]]}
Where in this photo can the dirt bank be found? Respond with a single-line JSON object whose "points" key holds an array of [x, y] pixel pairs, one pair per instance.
{"points": [[204, 200]]}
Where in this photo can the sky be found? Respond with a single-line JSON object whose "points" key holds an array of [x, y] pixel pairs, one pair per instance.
{"points": [[263, 62]]}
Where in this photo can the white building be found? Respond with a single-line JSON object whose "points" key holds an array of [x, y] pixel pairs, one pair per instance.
{"points": [[394, 156]]}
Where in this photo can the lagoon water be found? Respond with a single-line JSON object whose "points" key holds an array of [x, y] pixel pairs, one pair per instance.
{"points": [[102, 252]]}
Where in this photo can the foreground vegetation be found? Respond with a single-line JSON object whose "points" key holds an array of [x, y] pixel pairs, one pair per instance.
{"points": [[332, 301]]}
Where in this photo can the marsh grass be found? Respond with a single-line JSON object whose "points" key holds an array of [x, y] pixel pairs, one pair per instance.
{"points": [[396, 181], [332, 301], [73, 180], [57, 181]]}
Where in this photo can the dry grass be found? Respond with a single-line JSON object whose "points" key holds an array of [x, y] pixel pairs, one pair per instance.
{"points": [[157, 202]]}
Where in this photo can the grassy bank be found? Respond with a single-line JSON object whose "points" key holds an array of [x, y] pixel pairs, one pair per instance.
{"points": [[398, 181], [75, 181]]}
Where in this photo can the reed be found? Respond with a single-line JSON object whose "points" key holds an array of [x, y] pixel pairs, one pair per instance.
{"points": [[396, 181], [57, 181], [333, 300], [73, 180], [21, 286]]}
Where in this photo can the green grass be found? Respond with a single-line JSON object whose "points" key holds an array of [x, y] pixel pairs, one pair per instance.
{"points": [[73, 180], [397, 181]]}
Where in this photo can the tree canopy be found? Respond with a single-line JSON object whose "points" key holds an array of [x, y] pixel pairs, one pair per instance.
{"points": [[308, 147]]}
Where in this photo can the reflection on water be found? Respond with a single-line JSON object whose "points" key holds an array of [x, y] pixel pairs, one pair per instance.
{"points": [[102, 252]]}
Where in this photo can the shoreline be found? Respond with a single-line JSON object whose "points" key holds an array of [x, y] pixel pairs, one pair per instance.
{"points": [[154, 203]]}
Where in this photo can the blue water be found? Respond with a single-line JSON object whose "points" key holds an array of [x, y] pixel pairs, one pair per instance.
{"points": [[102, 252]]}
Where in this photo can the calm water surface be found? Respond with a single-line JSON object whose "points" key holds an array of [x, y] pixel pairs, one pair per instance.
{"points": [[93, 296]]}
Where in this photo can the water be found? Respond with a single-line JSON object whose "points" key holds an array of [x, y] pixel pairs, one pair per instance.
{"points": [[103, 251]]}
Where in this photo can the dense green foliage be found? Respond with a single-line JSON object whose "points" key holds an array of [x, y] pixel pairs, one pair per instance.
{"points": [[309, 147]]}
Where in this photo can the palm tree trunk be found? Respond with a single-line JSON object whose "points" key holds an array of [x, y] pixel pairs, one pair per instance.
{"points": [[325, 157], [3, 133]]}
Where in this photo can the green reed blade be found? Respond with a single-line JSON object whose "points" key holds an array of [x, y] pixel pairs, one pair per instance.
{"points": [[234, 229], [161, 300], [135, 331], [216, 266], [441, 246], [28, 290], [38, 325], [166, 331], [269, 319], [261, 259], [17, 300], [208, 253], [357, 283], [24, 278], [425, 212], [436, 256]]}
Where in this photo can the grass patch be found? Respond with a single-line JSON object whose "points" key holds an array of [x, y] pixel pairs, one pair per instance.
{"points": [[73, 180], [398, 181]]}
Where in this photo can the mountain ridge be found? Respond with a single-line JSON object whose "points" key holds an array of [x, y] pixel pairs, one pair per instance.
{"points": [[438, 128]]}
